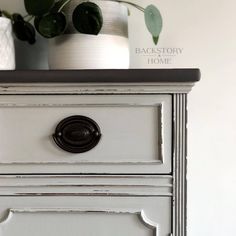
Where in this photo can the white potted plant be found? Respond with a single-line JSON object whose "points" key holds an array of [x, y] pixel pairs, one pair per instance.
{"points": [[96, 37], [7, 50]]}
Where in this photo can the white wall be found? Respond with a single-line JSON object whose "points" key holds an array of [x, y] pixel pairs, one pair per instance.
{"points": [[212, 128], [206, 31]]}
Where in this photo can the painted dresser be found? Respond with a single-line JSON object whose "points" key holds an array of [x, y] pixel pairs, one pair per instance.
{"points": [[94, 153]]}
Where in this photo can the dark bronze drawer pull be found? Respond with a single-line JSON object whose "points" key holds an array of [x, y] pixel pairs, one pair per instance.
{"points": [[77, 134]]}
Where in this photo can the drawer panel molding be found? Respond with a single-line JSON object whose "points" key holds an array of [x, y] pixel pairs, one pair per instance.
{"points": [[15, 218]]}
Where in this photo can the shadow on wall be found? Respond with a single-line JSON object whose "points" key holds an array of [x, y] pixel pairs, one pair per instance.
{"points": [[32, 57]]}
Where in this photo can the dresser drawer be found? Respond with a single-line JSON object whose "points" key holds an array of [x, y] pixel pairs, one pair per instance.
{"points": [[92, 205], [101, 216], [136, 134]]}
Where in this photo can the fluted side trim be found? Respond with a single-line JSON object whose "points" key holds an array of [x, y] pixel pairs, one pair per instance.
{"points": [[179, 162]]}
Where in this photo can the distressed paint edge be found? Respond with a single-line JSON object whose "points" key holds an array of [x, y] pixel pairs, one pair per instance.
{"points": [[88, 89], [107, 185]]}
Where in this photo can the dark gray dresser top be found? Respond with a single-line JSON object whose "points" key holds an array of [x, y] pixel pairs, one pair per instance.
{"points": [[101, 76]]}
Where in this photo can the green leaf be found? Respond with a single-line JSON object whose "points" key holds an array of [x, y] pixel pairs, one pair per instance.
{"points": [[23, 30], [17, 18], [51, 25], [153, 20], [155, 39], [87, 18], [18, 25], [30, 33], [38, 7], [37, 19]]}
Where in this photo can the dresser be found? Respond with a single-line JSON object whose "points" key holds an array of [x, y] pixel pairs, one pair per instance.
{"points": [[94, 153]]}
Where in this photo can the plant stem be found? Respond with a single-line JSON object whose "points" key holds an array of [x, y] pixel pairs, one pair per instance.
{"points": [[26, 16], [6, 14], [64, 4], [31, 17], [130, 3], [120, 1]]}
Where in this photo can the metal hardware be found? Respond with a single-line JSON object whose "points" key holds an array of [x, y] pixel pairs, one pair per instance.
{"points": [[77, 134]]}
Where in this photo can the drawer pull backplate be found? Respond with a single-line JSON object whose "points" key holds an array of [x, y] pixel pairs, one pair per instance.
{"points": [[77, 134]]}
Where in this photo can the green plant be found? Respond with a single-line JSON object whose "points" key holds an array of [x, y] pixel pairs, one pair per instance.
{"points": [[50, 20], [21, 27]]}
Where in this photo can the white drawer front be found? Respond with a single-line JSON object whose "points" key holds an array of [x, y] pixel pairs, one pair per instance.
{"points": [[136, 134], [88, 216]]}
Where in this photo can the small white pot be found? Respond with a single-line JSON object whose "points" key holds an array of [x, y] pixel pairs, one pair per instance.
{"points": [[7, 49], [107, 50]]}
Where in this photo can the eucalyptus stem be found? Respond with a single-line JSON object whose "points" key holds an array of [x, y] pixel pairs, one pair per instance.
{"points": [[120, 1], [26, 16], [31, 17], [130, 3], [64, 4]]}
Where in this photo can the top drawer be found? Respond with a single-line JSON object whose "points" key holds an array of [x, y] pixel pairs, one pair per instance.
{"points": [[136, 133]]}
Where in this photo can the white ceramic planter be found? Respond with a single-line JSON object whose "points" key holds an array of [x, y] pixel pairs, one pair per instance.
{"points": [[107, 50], [7, 49]]}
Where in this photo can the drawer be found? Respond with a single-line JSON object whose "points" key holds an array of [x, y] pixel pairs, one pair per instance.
{"points": [[101, 216], [136, 133], [34, 211]]}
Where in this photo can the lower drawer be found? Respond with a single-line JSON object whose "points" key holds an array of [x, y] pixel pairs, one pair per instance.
{"points": [[87, 216], [110, 207]]}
